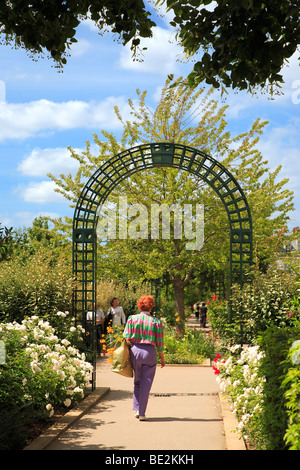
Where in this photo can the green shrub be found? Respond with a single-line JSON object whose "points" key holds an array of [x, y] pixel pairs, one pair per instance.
{"points": [[275, 342], [257, 306], [38, 285], [219, 318], [167, 311], [190, 348], [291, 386], [262, 382], [40, 370]]}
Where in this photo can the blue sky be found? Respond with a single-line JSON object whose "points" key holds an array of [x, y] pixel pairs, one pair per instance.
{"points": [[43, 111]]}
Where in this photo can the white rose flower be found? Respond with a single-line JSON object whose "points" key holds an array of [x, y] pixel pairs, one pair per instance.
{"points": [[67, 402], [49, 408]]}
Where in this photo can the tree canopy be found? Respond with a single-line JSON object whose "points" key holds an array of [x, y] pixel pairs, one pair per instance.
{"points": [[51, 24], [240, 44], [245, 42]]}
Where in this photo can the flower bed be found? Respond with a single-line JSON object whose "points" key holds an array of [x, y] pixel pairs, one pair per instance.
{"points": [[239, 379], [264, 390], [192, 347], [38, 369]]}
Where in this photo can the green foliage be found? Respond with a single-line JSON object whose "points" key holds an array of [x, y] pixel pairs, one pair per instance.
{"points": [[245, 43], [268, 313], [50, 25], [6, 242], [16, 424], [262, 382], [41, 284], [42, 234], [263, 303], [275, 342], [224, 329], [258, 305], [40, 372], [167, 311], [291, 385], [190, 348]]}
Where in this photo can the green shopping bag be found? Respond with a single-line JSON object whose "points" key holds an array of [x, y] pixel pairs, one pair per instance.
{"points": [[121, 363]]}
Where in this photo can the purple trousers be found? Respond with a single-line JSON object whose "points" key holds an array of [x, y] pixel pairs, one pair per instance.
{"points": [[144, 360]]}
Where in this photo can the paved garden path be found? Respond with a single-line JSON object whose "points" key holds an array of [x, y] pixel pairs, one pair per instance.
{"points": [[185, 412]]}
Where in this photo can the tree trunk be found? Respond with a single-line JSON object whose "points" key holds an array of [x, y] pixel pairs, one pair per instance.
{"points": [[179, 302]]}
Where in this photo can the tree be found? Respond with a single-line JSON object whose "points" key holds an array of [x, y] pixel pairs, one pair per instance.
{"points": [[242, 44], [51, 24], [245, 43], [42, 235], [192, 118], [6, 242]]}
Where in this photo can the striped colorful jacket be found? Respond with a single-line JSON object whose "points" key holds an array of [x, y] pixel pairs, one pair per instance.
{"points": [[143, 328]]}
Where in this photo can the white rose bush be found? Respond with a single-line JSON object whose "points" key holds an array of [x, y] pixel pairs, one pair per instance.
{"points": [[40, 368], [240, 381]]}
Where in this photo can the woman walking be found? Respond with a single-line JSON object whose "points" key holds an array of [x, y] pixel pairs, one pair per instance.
{"points": [[144, 333]]}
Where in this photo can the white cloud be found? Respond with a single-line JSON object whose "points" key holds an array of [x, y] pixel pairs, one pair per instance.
{"points": [[79, 48], [91, 25], [281, 146], [24, 120], [160, 57], [2, 91], [43, 161], [41, 192]]}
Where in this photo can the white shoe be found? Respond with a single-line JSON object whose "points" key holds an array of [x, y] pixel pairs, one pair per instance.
{"points": [[137, 414], [143, 418]]}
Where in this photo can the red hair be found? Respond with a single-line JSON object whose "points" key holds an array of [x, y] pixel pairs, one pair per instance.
{"points": [[146, 303]]}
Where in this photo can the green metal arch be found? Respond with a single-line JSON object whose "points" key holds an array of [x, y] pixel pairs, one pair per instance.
{"points": [[141, 157]]}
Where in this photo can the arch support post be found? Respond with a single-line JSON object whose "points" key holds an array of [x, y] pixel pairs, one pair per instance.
{"points": [[85, 292]]}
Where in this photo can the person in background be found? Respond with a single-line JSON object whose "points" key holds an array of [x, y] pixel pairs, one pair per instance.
{"points": [[144, 334], [100, 319], [115, 313], [197, 310], [203, 314]]}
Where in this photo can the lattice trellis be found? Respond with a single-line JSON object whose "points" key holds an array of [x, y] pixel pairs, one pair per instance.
{"points": [[142, 157]]}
